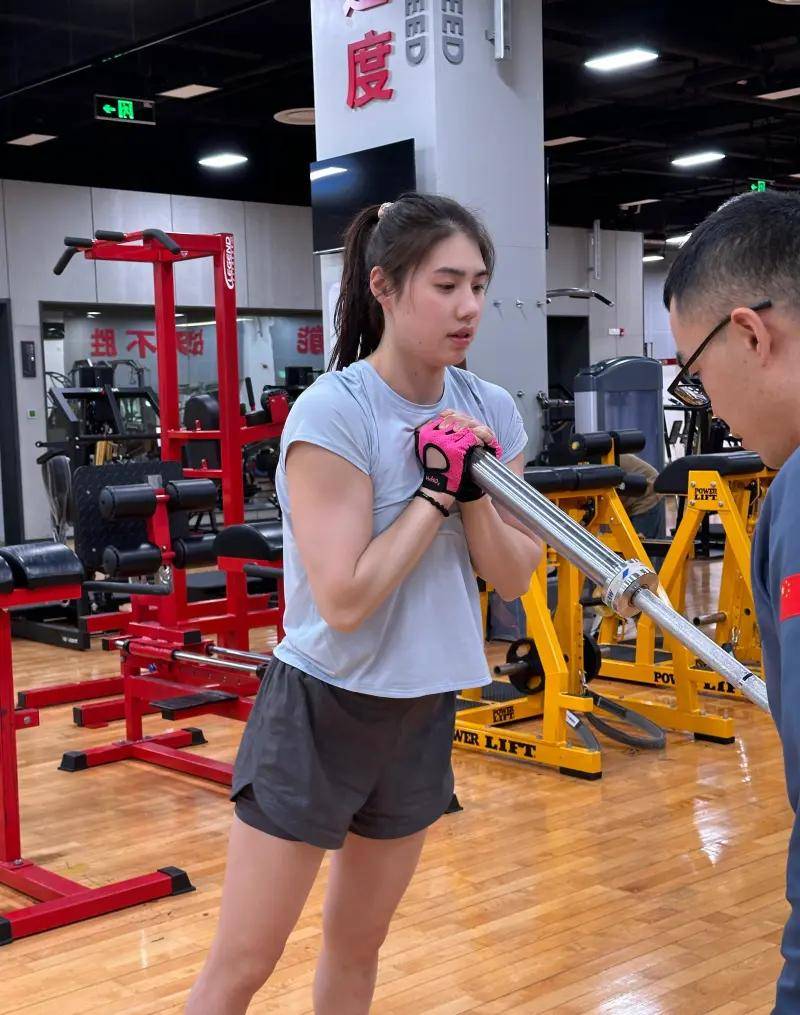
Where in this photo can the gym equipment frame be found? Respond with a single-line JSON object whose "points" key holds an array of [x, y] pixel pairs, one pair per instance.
{"points": [[562, 660], [29, 574], [731, 485], [236, 429], [628, 587]]}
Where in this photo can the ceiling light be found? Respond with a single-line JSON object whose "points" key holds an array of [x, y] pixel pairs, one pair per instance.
{"points": [[678, 241], [699, 159], [637, 204], [786, 3], [622, 59], [189, 91], [303, 116], [180, 315], [93, 313], [207, 324], [786, 93], [649, 258], [320, 174], [27, 140], [569, 139], [224, 160]]}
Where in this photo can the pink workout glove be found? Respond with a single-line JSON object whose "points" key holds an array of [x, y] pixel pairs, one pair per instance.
{"points": [[444, 454]]}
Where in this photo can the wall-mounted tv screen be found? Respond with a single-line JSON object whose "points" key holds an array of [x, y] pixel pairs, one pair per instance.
{"points": [[342, 186]]}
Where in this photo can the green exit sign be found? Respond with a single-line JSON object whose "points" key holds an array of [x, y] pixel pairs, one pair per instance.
{"points": [[759, 185], [119, 110]]}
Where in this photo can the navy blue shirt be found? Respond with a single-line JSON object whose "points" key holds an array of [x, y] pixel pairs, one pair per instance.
{"points": [[776, 590]]}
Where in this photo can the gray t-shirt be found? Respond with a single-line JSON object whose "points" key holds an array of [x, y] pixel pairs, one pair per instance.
{"points": [[426, 637]]}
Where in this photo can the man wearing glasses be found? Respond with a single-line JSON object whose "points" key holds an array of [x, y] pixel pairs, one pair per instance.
{"points": [[733, 295]]}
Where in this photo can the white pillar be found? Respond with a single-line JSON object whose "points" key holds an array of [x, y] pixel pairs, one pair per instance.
{"points": [[477, 126]]}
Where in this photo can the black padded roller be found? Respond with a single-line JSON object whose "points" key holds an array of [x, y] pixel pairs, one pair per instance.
{"points": [[591, 443], [145, 559], [191, 494], [634, 485], [598, 477], [628, 442], [37, 565], [135, 501], [6, 578], [193, 551], [549, 480]]}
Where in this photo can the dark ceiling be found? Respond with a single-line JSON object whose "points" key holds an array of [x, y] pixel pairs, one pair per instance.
{"points": [[716, 58]]}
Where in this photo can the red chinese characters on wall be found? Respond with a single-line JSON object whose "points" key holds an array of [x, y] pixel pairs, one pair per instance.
{"points": [[309, 340], [368, 70], [362, 5], [190, 343], [141, 342], [103, 343]]}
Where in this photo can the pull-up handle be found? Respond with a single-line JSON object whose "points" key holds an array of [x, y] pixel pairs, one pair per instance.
{"points": [[109, 234], [64, 260], [73, 245], [161, 237]]}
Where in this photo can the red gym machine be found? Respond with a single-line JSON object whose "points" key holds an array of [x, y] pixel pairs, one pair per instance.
{"points": [[237, 427], [32, 574]]}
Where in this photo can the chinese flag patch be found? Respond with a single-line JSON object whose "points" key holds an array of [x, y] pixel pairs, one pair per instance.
{"points": [[790, 597]]}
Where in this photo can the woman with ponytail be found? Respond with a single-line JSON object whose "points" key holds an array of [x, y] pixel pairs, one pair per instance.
{"points": [[348, 745]]}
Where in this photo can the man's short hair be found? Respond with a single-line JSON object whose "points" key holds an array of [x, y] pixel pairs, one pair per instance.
{"points": [[747, 250]]}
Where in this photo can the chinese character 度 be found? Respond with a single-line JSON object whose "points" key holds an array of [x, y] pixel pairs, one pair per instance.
{"points": [[368, 74]]}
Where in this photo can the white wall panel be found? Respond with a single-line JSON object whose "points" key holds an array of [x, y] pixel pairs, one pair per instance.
{"points": [[38, 217], [128, 211], [194, 281], [280, 261]]}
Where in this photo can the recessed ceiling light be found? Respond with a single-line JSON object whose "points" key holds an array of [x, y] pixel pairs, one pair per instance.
{"points": [[224, 160], [649, 258], [303, 116], [189, 91], [93, 313], [569, 139], [636, 204], [786, 93], [320, 174], [786, 3], [27, 140], [678, 241], [619, 61], [699, 159]]}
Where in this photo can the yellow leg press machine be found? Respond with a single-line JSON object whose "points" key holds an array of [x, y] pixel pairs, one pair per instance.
{"points": [[547, 678], [731, 485]]}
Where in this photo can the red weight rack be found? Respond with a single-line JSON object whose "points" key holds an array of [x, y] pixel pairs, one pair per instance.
{"points": [[59, 900], [236, 429]]}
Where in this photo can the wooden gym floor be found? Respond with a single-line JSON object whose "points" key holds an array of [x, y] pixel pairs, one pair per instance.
{"points": [[658, 889]]}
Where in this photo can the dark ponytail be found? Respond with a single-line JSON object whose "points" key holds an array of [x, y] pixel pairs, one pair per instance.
{"points": [[398, 241]]}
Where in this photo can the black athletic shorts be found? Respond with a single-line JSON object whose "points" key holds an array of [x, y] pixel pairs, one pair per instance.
{"points": [[317, 761]]}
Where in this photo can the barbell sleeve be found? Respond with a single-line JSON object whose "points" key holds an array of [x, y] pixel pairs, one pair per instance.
{"points": [[628, 587]]}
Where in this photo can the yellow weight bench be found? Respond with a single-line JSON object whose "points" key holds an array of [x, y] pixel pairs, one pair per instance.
{"points": [[731, 485], [558, 694]]}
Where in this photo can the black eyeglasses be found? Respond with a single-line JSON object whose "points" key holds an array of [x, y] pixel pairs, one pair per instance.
{"points": [[688, 390]]}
